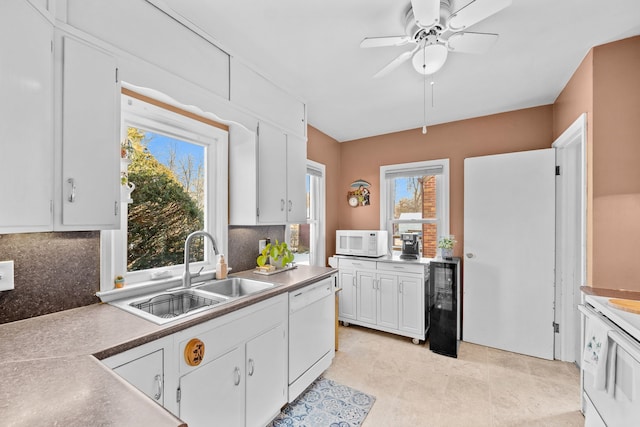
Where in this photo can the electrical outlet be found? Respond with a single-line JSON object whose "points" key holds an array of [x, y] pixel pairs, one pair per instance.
{"points": [[6, 275], [261, 244]]}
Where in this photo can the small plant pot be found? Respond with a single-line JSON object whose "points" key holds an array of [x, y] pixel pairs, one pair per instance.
{"points": [[118, 283], [446, 253]]}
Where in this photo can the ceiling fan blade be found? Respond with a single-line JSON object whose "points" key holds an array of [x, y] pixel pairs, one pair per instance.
{"points": [[403, 57], [384, 41], [426, 12], [471, 42], [475, 12]]}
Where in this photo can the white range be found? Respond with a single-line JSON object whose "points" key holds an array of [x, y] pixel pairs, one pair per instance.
{"points": [[610, 366]]}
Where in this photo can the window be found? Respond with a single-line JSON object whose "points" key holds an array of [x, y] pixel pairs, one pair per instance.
{"points": [[176, 169], [415, 199], [305, 240]]}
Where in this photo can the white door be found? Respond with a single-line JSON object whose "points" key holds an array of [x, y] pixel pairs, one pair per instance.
{"points": [[266, 376], [411, 308], [509, 244], [90, 138], [347, 296], [26, 124], [145, 373], [366, 297], [387, 305], [213, 394], [272, 174]]}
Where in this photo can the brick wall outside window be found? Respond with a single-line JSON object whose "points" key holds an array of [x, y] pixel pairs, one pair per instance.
{"points": [[429, 231]]}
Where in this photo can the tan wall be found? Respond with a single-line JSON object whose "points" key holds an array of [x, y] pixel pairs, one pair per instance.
{"points": [[577, 98], [527, 129], [323, 149], [616, 165]]}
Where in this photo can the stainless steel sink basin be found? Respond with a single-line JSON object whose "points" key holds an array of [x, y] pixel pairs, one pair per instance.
{"points": [[234, 287], [171, 305]]}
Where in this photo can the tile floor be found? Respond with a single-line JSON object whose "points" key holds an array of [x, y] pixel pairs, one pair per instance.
{"points": [[482, 387]]}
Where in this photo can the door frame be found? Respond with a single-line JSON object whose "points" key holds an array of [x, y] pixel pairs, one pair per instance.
{"points": [[571, 236]]}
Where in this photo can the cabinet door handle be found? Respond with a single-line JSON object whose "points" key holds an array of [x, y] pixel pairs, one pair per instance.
{"points": [[290, 205], [282, 204], [158, 379], [236, 374], [354, 281], [400, 287], [251, 367], [72, 196]]}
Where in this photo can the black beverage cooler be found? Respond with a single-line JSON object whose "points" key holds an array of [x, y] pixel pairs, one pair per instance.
{"points": [[444, 302]]}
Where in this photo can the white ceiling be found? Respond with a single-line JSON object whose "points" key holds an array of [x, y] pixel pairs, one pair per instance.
{"points": [[311, 48]]}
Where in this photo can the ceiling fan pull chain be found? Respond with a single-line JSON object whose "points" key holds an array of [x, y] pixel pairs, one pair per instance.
{"points": [[433, 103], [424, 104]]}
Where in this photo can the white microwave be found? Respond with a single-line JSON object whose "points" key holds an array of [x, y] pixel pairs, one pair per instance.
{"points": [[369, 243]]}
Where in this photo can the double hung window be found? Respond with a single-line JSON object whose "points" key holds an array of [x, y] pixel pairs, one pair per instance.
{"points": [[306, 240], [415, 199]]}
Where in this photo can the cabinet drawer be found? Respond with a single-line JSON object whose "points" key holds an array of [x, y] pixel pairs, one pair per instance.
{"points": [[356, 263], [400, 267]]}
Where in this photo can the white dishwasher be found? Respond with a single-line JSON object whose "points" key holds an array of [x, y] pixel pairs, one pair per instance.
{"points": [[311, 333]]}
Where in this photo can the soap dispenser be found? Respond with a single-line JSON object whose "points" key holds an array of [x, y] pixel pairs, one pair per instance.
{"points": [[221, 268]]}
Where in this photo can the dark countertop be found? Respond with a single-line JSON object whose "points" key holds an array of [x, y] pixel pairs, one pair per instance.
{"points": [[51, 375], [611, 293]]}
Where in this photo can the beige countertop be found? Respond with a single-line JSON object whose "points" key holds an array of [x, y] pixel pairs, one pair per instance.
{"points": [[611, 293], [50, 370]]}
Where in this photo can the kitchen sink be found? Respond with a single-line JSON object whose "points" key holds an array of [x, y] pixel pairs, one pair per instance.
{"points": [[234, 287], [169, 306], [181, 302]]}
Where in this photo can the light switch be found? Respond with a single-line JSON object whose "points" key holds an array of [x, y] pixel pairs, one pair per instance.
{"points": [[6, 275]]}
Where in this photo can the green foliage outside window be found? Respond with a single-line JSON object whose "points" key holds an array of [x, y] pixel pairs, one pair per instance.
{"points": [[162, 214]]}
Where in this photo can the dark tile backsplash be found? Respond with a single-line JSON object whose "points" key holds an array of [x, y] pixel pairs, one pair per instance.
{"points": [[53, 272], [243, 244], [59, 271]]}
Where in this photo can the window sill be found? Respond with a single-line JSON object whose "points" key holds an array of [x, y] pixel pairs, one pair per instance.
{"points": [[150, 286]]}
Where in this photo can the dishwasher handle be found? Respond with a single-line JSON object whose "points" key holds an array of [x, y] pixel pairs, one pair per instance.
{"points": [[306, 296]]}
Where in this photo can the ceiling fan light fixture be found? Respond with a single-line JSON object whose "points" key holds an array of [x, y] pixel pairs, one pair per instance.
{"points": [[430, 58]]}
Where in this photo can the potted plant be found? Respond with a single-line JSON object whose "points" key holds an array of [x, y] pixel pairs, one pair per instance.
{"points": [[446, 246], [278, 253], [118, 282]]}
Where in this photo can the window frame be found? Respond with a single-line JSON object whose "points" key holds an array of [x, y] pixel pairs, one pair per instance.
{"points": [[316, 214], [176, 121], [387, 195]]}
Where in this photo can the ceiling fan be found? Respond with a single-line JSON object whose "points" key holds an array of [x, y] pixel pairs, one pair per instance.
{"points": [[436, 31]]}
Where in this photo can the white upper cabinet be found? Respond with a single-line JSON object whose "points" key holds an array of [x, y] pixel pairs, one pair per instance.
{"points": [[252, 91], [272, 175], [90, 148], [146, 32], [26, 118], [296, 179], [267, 178]]}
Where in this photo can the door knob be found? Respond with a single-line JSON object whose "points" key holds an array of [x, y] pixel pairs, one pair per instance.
{"points": [[470, 255]]}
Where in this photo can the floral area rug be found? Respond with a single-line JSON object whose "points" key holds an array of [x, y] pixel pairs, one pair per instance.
{"points": [[326, 404]]}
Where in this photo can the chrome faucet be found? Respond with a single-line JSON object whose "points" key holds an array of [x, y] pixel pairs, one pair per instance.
{"points": [[186, 277]]}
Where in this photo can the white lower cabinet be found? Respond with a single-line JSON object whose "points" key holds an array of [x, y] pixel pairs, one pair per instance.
{"points": [[347, 295], [265, 381], [242, 379], [144, 367], [212, 394], [389, 296]]}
